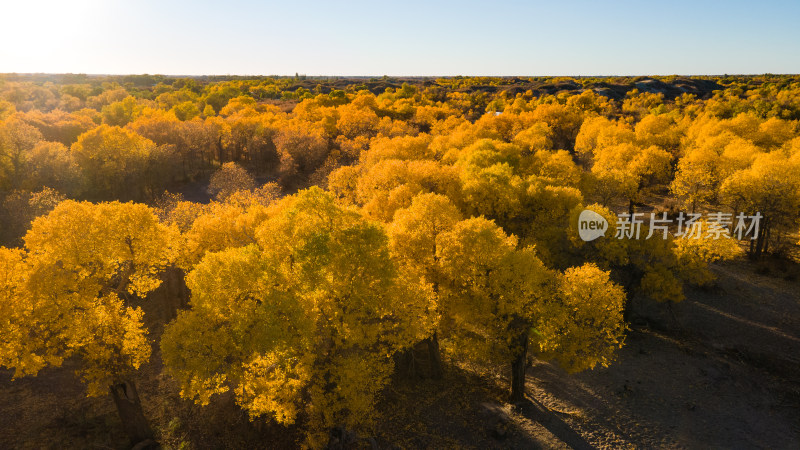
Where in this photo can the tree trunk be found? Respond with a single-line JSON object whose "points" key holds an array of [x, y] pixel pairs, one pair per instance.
{"points": [[130, 412], [406, 362], [761, 240], [177, 289], [435, 356], [629, 277], [626, 306], [518, 367]]}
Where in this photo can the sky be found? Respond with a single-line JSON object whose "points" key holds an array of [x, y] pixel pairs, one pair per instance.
{"points": [[423, 38]]}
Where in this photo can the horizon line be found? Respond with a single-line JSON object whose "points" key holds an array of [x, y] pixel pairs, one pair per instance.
{"points": [[399, 76]]}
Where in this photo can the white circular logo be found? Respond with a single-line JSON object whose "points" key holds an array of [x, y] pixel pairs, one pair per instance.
{"points": [[591, 225]]}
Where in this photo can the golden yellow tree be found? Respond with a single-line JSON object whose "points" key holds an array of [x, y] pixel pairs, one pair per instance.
{"points": [[496, 297], [69, 293], [413, 240], [770, 187], [17, 138], [630, 170], [656, 266], [303, 322], [113, 161], [228, 179], [581, 326]]}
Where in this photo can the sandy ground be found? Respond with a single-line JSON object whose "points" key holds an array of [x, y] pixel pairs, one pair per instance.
{"points": [[724, 372]]}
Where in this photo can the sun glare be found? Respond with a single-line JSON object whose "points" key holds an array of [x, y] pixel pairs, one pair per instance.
{"points": [[39, 36]]}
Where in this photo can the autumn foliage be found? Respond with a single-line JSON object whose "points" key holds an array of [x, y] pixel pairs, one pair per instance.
{"points": [[325, 232]]}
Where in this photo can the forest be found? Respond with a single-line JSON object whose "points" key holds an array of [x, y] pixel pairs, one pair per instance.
{"points": [[344, 262]]}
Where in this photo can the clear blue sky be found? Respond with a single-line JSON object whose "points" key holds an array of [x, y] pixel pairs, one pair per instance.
{"points": [[400, 38]]}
